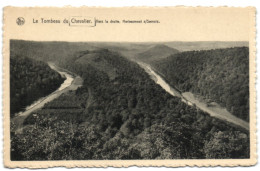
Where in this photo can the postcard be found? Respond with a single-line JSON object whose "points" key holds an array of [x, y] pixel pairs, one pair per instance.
{"points": [[129, 86]]}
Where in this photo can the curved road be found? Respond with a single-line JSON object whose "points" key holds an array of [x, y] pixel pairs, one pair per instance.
{"points": [[187, 97], [71, 83]]}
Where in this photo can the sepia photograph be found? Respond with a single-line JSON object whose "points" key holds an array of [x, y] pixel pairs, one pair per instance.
{"points": [[172, 100], [163, 94]]}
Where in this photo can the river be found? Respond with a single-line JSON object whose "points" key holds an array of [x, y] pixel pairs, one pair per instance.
{"points": [[190, 99], [70, 83]]}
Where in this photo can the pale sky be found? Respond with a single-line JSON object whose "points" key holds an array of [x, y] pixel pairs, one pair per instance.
{"points": [[176, 24]]}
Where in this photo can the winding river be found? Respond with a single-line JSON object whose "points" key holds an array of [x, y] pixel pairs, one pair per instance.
{"points": [[70, 83], [189, 98]]}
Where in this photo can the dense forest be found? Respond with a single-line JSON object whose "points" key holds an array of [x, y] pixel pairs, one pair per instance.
{"points": [[30, 80], [220, 75], [120, 113]]}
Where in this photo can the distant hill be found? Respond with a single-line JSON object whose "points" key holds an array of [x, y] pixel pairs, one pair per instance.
{"points": [[57, 52], [205, 45], [52, 51], [157, 52], [129, 50]]}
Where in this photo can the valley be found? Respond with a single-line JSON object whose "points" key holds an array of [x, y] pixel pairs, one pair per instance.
{"points": [[117, 106]]}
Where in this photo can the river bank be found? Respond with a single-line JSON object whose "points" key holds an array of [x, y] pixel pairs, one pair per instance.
{"points": [[188, 98], [71, 83]]}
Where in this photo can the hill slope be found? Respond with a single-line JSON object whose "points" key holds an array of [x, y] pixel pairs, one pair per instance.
{"points": [[29, 81], [220, 75], [98, 60]]}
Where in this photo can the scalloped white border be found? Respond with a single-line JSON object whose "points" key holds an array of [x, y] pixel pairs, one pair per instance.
{"points": [[128, 163]]}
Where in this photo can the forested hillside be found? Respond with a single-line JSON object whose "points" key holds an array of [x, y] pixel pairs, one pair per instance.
{"points": [[30, 80], [220, 75], [123, 114]]}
